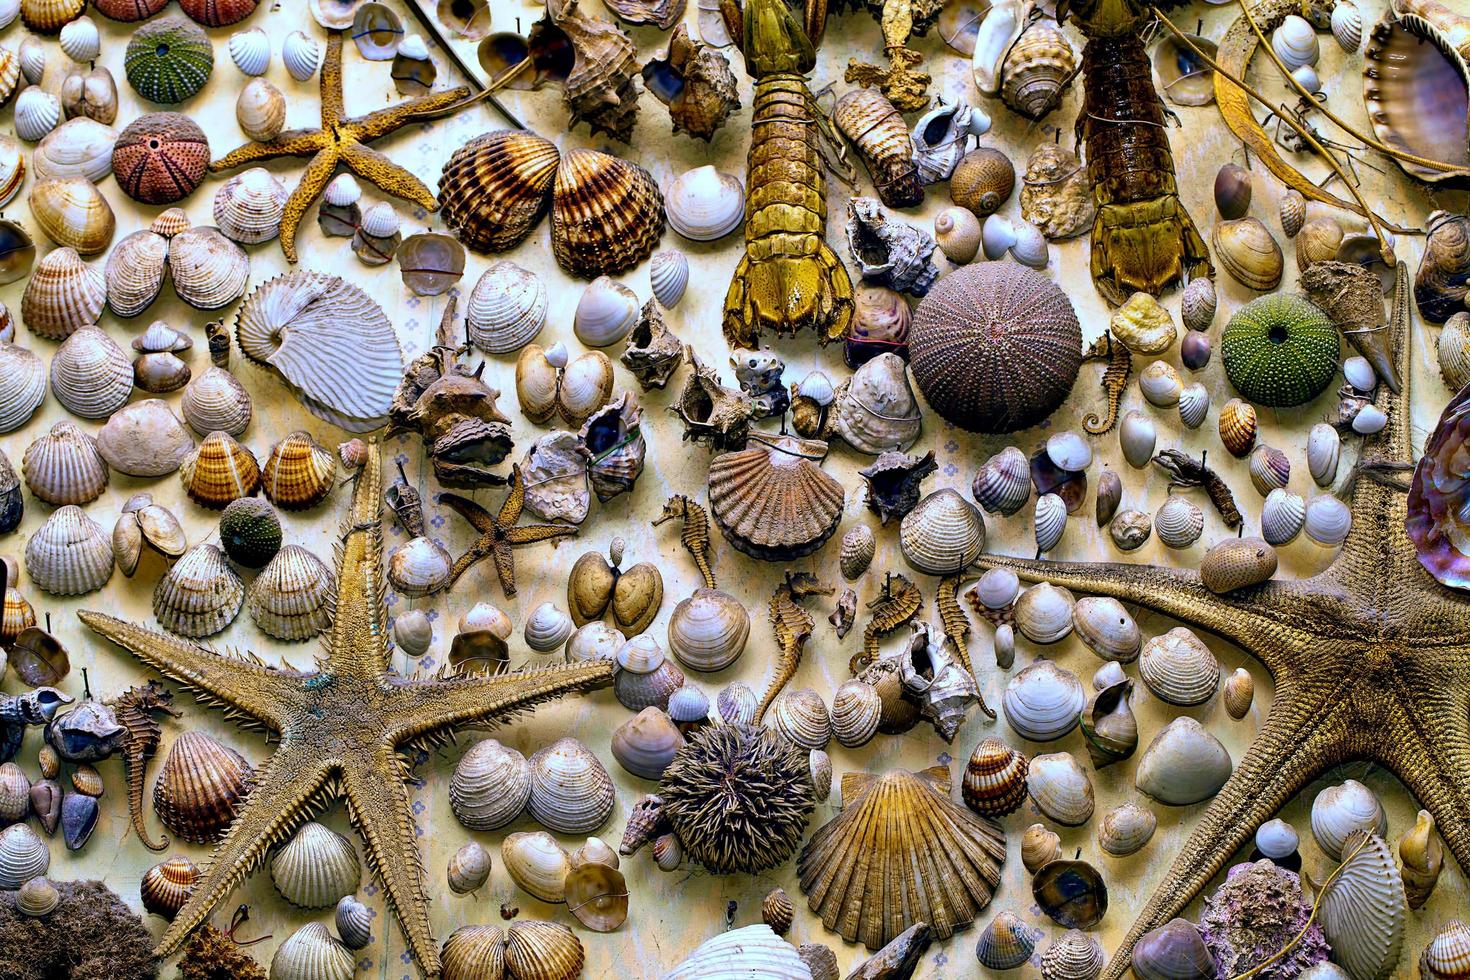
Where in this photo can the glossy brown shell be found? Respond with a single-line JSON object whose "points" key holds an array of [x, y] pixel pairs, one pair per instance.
{"points": [[161, 157], [995, 347], [773, 502], [200, 788], [496, 187], [607, 214]]}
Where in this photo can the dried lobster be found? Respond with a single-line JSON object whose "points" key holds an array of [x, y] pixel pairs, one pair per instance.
{"points": [[789, 277]]}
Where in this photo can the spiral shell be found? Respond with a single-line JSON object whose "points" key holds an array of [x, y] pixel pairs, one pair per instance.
{"points": [[1037, 69], [200, 595], [995, 779], [1178, 668], [315, 868], [982, 181], [64, 467], [571, 792], [62, 294], [1043, 702], [69, 554], [90, 374], [201, 787]]}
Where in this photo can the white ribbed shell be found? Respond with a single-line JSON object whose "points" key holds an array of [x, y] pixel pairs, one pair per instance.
{"points": [[62, 294], [743, 954], [200, 595], [312, 953], [248, 207], [251, 51], [22, 386], [135, 272], [294, 597], [668, 275], [209, 270], [571, 792], [69, 554], [316, 867], [1364, 910], [90, 374], [64, 466], [301, 55], [23, 855], [506, 309], [216, 401]]}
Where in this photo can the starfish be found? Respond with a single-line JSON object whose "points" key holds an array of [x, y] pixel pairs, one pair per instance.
{"points": [[1371, 659], [499, 535], [343, 141], [341, 727]]}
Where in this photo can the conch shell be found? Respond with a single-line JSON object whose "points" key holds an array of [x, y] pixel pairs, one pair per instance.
{"points": [[601, 89], [454, 412], [933, 675], [1038, 69], [695, 81]]}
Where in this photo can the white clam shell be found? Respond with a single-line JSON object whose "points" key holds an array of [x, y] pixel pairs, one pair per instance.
{"points": [[64, 466], [301, 55], [13, 168], [216, 401], [413, 633], [1137, 435], [997, 236], [1306, 76], [1184, 764], [998, 588], [646, 743], [312, 953], [251, 51], [23, 856], [1282, 517], [260, 109], [1179, 668], [1107, 675], [1049, 521], [1295, 42], [248, 207], [1106, 628], [316, 868], [1060, 789], [295, 596], [1161, 384], [69, 554], [536, 862], [1126, 829], [1004, 643], [708, 630], [37, 112], [737, 704], [1370, 419], [1043, 702], [1276, 839], [1194, 405], [490, 786], [818, 387], [754, 951], [689, 705], [668, 276], [856, 710], [419, 567], [943, 535], [1339, 810], [571, 792], [80, 147], [1324, 446], [506, 309], [80, 40], [605, 313], [1347, 25], [595, 641], [1179, 522], [1003, 482], [32, 58], [1328, 520], [22, 386], [1359, 373], [1364, 911], [1043, 613], [469, 868], [704, 204], [547, 628], [1069, 451]]}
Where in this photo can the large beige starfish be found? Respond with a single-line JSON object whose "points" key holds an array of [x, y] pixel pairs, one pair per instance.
{"points": [[341, 727], [343, 141], [1371, 659]]}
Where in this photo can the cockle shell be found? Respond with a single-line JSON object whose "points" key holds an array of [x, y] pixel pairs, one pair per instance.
{"points": [[876, 410], [536, 862], [64, 467], [1049, 521], [1184, 764], [299, 472], [1328, 520], [36, 113], [1042, 703], [200, 595], [1006, 943], [607, 214], [997, 588], [23, 856], [1003, 484], [294, 596], [135, 272], [1447, 954], [1073, 956], [1126, 829], [248, 207], [316, 867], [216, 401], [301, 56], [995, 779], [858, 548], [210, 272], [200, 788], [1060, 789], [506, 309], [1178, 668], [312, 953], [1363, 909], [1106, 628], [490, 786], [1179, 522], [1238, 427], [80, 40], [571, 792], [1194, 405], [1347, 25], [856, 710], [354, 922], [80, 147], [1339, 810], [943, 535], [251, 51], [1043, 613], [90, 374], [62, 294], [219, 471], [15, 790], [260, 109], [801, 717], [69, 554]]}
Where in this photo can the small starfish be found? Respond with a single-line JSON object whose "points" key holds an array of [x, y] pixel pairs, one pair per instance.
{"points": [[340, 728], [499, 535], [343, 141]]}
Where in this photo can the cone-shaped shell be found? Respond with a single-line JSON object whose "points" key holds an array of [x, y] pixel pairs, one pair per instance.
{"points": [[774, 502], [219, 471], [316, 867], [312, 953], [295, 596], [64, 467], [899, 821], [200, 595], [69, 554], [1363, 909], [299, 473], [607, 214], [90, 374], [571, 792], [62, 294], [943, 535], [200, 788], [752, 951], [490, 786], [496, 187]]}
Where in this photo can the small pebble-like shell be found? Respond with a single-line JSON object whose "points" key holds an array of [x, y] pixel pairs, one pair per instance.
{"points": [[219, 471], [469, 868], [90, 374], [1179, 668], [1126, 829], [69, 554], [1340, 810], [1060, 789], [1106, 628], [571, 792], [295, 595], [1161, 384], [200, 788], [301, 56], [1237, 563], [316, 868], [958, 233], [1043, 702], [536, 862], [37, 898], [354, 922], [1328, 520], [200, 595], [62, 294], [251, 51], [1179, 522], [413, 633], [995, 779], [1039, 847], [1137, 436], [64, 467], [646, 743], [1049, 522], [299, 472], [856, 711], [312, 953], [1194, 405], [606, 313], [490, 786], [998, 588], [1240, 689], [260, 109]]}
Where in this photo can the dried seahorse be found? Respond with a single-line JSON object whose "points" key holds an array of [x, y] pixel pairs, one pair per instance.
{"points": [[793, 626], [1186, 471], [898, 603], [695, 535], [1114, 381], [957, 627], [135, 708]]}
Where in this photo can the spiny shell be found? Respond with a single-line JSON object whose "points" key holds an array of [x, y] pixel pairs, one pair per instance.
{"points": [[856, 711], [200, 595], [490, 786], [995, 779], [1178, 668], [248, 207], [79, 147], [1363, 908], [1106, 628], [216, 401], [260, 109], [536, 862], [1043, 613], [160, 157], [251, 51], [299, 473], [801, 718], [90, 374], [506, 309], [1126, 829], [1328, 520], [294, 597], [64, 467], [168, 60], [69, 554], [23, 856], [1042, 703], [1237, 563], [312, 953], [62, 294], [200, 788], [708, 630], [37, 112], [1280, 350], [1240, 689], [571, 792], [773, 502], [1060, 789], [943, 535], [606, 216], [316, 867], [1179, 522], [1003, 484], [219, 471], [1184, 764], [1340, 810]]}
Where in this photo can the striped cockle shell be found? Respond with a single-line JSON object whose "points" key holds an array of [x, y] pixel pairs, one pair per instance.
{"points": [[1270, 468], [737, 704], [37, 112], [772, 501], [1049, 521], [1363, 908], [69, 554], [801, 717], [135, 272], [23, 855], [1179, 522], [312, 953], [31, 56], [216, 401], [1447, 955], [858, 548], [200, 595], [64, 467], [1197, 305], [1238, 427], [495, 188], [62, 294], [668, 276], [209, 270], [1043, 702], [15, 793], [1006, 943], [219, 471], [22, 386], [37, 898], [1043, 613], [354, 922], [1003, 483], [90, 374], [472, 952], [606, 216], [490, 786], [316, 867], [1178, 668], [248, 207], [689, 708], [1126, 829], [79, 147], [856, 711], [251, 51], [295, 595], [201, 786], [1194, 405], [506, 309], [571, 792], [299, 472], [469, 868], [995, 779], [542, 949], [1061, 789], [301, 56], [1338, 811], [943, 535], [535, 861]]}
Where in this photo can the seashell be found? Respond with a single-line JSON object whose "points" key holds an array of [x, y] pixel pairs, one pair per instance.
{"points": [[801, 718], [80, 40], [547, 628], [1194, 405], [1347, 26], [995, 779], [1042, 702], [23, 856], [413, 633], [1445, 956], [1328, 520], [17, 616], [1323, 448], [1179, 669], [605, 313], [595, 641], [15, 793], [79, 147], [1130, 529], [1107, 719], [1306, 76], [90, 375], [1363, 910], [957, 231], [1359, 373], [939, 139], [1043, 613], [1183, 765], [1056, 196], [469, 868], [689, 708], [1143, 325], [1175, 949], [37, 898], [880, 324], [1003, 484], [571, 792], [37, 112], [354, 922], [943, 535], [1421, 850], [777, 911], [1248, 252], [144, 522], [1237, 563], [898, 819], [1232, 191], [31, 58], [856, 709], [1049, 522], [295, 596], [301, 56], [1039, 847], [536, 862], [1179, 522], [1295, 42], [877, 411], [90, 94], [135, 272], [1105, 627], [597, 895], [1037, 69], [1161, 385], [299, 473], [1126, 829], [876, 128], [473, 952], [312, 953], [737, 704], [12, 157], [490, 786], [495, 188], [1072, 956], [216, 401], [160, 373], [708, 630], [1368, 420], [606, 216], [260, 109], [1006, 943], [1276, 839], [219, 471], [315, 868], [72, 212], [248, 207], [506, 309], [1138, 436], [69, 554], [646, 744], [888, 252], [64, 467], [982, 181], [772, 501], [1197, 305], [1194, 351], [1340, 810], [1238, 427], [858, 548], [377, 31], [1240, 689], [704, 204], [78, 819], [200, 595], [1068, 451], [1318, 241], [556, 478], [168, 60], [997, 588], [200, 788], [251, 51], [210, 271], [1060, 789]]}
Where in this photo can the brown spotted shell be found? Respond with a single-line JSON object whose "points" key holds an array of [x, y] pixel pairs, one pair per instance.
{"points": [[773, 501], [496, 187], [877, 129], [607, 214]]}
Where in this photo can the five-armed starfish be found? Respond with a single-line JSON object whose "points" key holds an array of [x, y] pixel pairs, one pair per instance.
{"points": [[1371, 659], [499, 534], [341, 140], [341, 727]]}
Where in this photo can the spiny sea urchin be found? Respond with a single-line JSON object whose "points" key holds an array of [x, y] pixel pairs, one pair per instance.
{"points": [[738, 797]]}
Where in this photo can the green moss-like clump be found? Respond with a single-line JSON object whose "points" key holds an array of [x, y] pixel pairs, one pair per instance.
{"points": [[90, 935]]}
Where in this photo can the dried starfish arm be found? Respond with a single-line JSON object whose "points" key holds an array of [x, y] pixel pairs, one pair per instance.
{"points": [[293, 143], [358, 643], [248, 688], [381, 122], [1433, 760], [425, 708], [374, 166], [334, 107], [314, 179], [286, 792]]}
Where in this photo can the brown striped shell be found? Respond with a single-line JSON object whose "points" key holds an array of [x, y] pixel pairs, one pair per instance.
{"points": [[877, 129], [167, 886], [995, 779], [537, 950], [299, 472], [496, 187], [219, 471], [607, 214], [200, 788], [773, 501], [995, 347], [62, 294]]}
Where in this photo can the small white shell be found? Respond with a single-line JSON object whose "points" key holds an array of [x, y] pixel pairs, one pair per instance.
{"points": [[1194, 405], [1004, 643], [1370, 419], [668, 275], [469, 868], [251, 51], [818, 387], [80, 40], [381, 220], [689, 706], [1069, 451], [1295, 42], [506, 309], [1126, 829], [1137, 436], [1339, 810], [704, 204], [548, 628], [37, 112], [998, 588], [1044, 702], [260, 109], [1060, 789], [1161, 384], [595, 641], [1276, 839], [354, 923], [1049, 522], [316, 868], [1306, 76], [32, 56], [1184, 764], [301, 56], [606, 313], [1347, 25], [1043, 613], [1282, 517], [248, 207], [1179, 523], [312, 953], [1328, 520], [342, 191], [412, 632], [23, 856], [1030, 246], [1179, 669], [1106, 628], [1324, 446], [997, 236]]}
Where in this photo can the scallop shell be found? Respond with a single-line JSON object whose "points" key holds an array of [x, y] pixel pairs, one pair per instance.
{"points": [[1049, 522], [301, 56], [23, 856], [354, 922], [80, 40], [62, 294], [646, 743], [1340, 810], [219, 471], [294, 597], [801, 718], [490, 786], [506, 309], [708, 630], [69, 554], [216, 401], [1060, 789], [1006, 943], [1003, 484], [774, 502], [536, 862], [260, 109], [79, 147], [1106, 628], [248, 207], [201, 787], [299, 473], [571, 792], [704, 204], [200, 595], [606, 215], [496, 187], [315, 868], [1240, 689], [1043, 702], [1183, 765], [1037, 69], [312, 953], [90, 374], [995, 779], [943, 535], [1126, 829], [1043, 613], [1178, 668], [1179, 522], [856, 711], [1363, 909], [64, 467], [37, 112]]}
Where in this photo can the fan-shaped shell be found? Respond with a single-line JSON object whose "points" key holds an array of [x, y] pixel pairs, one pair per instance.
{"points": [[496, 187], [1178, 668], [490, 786], [1447, 956], [216, 401], [571, 792], [248, 207], [1043, 613], [135, 272], [473, 952], [668, 276], [312, 953], [79, 147], [1060, 789], [1339, 810], [943, 535], [166, 886], [200, 595], [299, 472], [301, 56], [856, 711], [90, 374], [506, 309], [606, 215], [37, 112], [168, 60], [294, 597], [774, 502], [1049, 521], [209, 270], [876, 410], [64, 467], [200, 788], [251, 51], [1184, 764], [1363, 908], [1043, 702], [69, 554], [316, 867], [62, 294], [708, 630], [547, 628], [219, 471], [1179, 522], [22, 386], [755, 951], [80, 40], [536, 862], [23, 856], [542, 951]]}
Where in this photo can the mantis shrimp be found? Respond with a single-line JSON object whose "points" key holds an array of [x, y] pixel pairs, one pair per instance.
{"points": [[789, 277]]}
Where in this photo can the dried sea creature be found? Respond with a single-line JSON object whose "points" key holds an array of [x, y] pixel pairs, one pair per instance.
{"points": [[888, 252], [773, 501], [455, 414], [878, 131], [695, 81]]}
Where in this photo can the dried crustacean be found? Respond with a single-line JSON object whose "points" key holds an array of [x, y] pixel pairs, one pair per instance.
{"points": [[695, 81], [904, 86], [877, 129], [1186, 471], [1114, 381], [1056, 195], [789, 277], [694, 534], [134, 709], [793, 627], [898, 603]]}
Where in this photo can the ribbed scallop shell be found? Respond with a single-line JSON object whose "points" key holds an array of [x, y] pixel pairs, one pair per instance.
{"points": [[294, 597], [201, 786], [773, 502], [69, 554], [90, 374], [79, 147], [1178, 668], [301, 55], [490, 786], [537, 950], [506, 309], [995, 779], [37, 112], [32, 57], [208, 269], [312, 953], [1037, 69], [316, 867], [473, 953], [708, 630], [299, 472], [62, 294], [856, 711], [23, 855], [801, 718], [248, 207], [943, 535], [200, 595], [1179, 522], [166, 886], [1006, 942], [216, 401], [330, 340], [64, 467], [1363, 909], [168, 60], [1003, 483], [496, 187], [1060, 789], [1270, 468], [135, 272], [1043, 702], [354, 923], [251, 51], [754, 951], [606, 216], [861, 871], [48, 17], [219, 471], [80, 40], [571, 792]]}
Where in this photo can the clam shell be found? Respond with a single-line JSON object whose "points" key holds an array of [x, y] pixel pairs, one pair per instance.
{"points": [[1240, 689], [469, 868], [315, 868], [1161, 384], [606, 215], [801, 718], [1194, 405], [248, 207], [737, 704], [995, 779], [23, 856], [1363, 908], [495, 188], [260, 109], [858, 548], [1237, 563], [1249, 253], [354, 922], [646, 743], [490, 786], [1043, 613], [1106, 628], [200, 788], [536, 862], [15, 793], [1006, 943], [210, 271], [294, 597], [877, 411], [1295, 42], [1179, 522], [605, 313], [1323, 448], [1276, 839], [251, 51], [90, 94], [943, 535], [708, 630], [856, 711], [419, 567], [506, 309], [62, 294], [90, 374], [1238, 427], [413, 633], [219, 471], [689, 708], [69, 554], [773, 502], [200, 595], [1060, 789], [1183, 765], [1328, 520], [37, 112], [595, 641], [160, 372], [704, 204], [1126, 829], [64, 467], [1109, 496], [1340, 810], [1453, 351], [1197, 305], [571, 792], [216, 401], [37, 898], [301, 56], [135, 272], [299, 472], [1049, 522], [312, 953], [547, 628], [1138, 436], [1003, 483], [80, 147], [1043, 702], [1178, 668]]}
